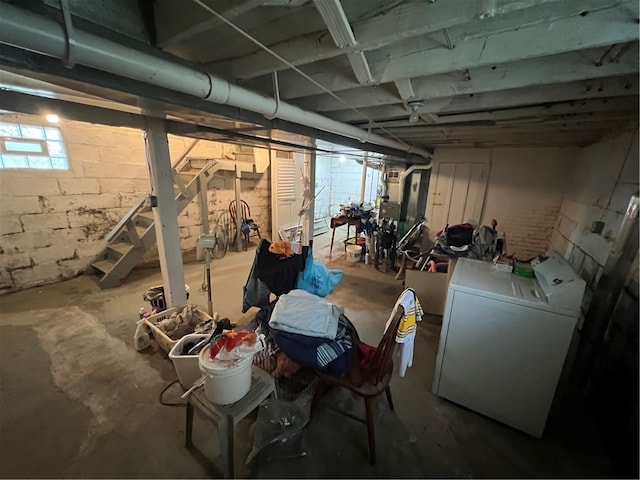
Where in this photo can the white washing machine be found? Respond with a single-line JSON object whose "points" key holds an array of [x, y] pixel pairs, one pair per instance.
{"points": [[504, 339]]}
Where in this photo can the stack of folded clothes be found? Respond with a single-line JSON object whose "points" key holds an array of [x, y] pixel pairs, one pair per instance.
{"points": [[311, 331]]}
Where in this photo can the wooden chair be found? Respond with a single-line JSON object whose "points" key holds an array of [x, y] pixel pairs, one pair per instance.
{"points": [[245, 215], [368, 382]]}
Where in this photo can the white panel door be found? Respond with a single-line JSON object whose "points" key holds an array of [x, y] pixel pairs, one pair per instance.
{"points": [[286, 190], [457, 194]]}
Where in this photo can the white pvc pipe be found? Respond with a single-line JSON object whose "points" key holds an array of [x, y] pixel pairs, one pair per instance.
{"points": [[45, 36], [404, 176]]}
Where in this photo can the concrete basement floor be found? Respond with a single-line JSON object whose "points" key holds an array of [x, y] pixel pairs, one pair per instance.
{"points": [[78, 400]]}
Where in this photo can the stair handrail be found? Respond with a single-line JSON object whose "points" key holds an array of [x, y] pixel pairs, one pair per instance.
{"points": [[115, 231], [184, 154]]}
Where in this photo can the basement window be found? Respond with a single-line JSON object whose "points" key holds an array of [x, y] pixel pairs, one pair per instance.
{"points": [[32, 146]]}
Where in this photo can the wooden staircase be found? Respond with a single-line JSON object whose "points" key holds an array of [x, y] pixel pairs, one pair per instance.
{"points": [[132, 237]]}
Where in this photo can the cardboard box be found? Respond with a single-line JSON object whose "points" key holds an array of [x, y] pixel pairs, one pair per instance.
{"points": [[430, 288]]}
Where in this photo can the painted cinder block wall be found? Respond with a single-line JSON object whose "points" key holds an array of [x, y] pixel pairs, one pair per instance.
{"points": [[53, 222], [605, 178], [524, 192], [342, 181]]}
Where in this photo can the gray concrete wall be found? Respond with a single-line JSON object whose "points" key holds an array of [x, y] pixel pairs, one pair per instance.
{"points": [[605, 177], [524, 194], [524, 191], [53, 222], [341, 177]]}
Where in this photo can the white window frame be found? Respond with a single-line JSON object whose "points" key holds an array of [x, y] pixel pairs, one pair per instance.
{"points": [[56, 162], [44, 149]]}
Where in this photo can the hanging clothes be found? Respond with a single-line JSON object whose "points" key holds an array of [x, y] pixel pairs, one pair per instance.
{"points": [[278, 272], [255, 291], [271, 273], [406, 333]]}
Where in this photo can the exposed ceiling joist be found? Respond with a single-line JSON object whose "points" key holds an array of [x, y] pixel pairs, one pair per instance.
{"points": [[564, 139], [594, 30], [625, 106], [193, 24], [427, 73], [340, 30], [564, 68], [426, 131], [405, 89], [609, 87], [561, 36], [415, 19]]}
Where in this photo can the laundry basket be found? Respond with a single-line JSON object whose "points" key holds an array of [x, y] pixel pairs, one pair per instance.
{"points": [[163, 340]]}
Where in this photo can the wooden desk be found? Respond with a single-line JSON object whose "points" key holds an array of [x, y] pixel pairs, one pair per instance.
{"points": [[348, 221]]}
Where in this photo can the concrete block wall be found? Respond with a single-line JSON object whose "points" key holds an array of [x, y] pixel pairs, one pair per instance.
{"points": [[600, 188], [341, 177], [525, 190], [322, 204], [53, 222]]}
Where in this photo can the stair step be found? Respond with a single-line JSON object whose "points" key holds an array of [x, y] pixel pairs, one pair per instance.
{"points": [[140, 230], [121, 256], [190, 192], [188, 169], [120, 247], [186, 178], [105, 266], [146, 217], [198, 163]]}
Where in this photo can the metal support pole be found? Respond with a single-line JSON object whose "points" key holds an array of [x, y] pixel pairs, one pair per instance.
{"points": [[363, 184], [237, 189], [312, 193], [166, 213], [204, 213], [209, 287]]}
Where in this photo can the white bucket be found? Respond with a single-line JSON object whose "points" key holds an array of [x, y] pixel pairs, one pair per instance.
{"points": [[224, 384], [354, 253]]}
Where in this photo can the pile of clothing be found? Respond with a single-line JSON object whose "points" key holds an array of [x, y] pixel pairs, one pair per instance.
{"points": [[309, 332], [465, 240], [301, 328]]}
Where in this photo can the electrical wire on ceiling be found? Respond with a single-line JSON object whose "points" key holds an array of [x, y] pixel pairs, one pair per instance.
{"points": [[372, 123]]}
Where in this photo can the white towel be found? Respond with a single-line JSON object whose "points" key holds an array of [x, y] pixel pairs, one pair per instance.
{"points": [[305, 314]]}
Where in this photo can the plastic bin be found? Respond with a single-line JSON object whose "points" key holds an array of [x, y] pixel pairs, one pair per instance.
{"points": [[159, 303], [186, 365], [162, 339]]}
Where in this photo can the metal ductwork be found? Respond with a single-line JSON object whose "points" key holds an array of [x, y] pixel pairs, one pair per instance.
{"points": [[28, 31], [405, 174]]}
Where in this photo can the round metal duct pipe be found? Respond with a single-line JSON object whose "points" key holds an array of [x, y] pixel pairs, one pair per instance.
{"points": [[23, 29]]}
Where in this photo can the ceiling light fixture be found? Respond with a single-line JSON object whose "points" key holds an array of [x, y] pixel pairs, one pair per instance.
{"points": [[415, 105], [52, 118]]}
